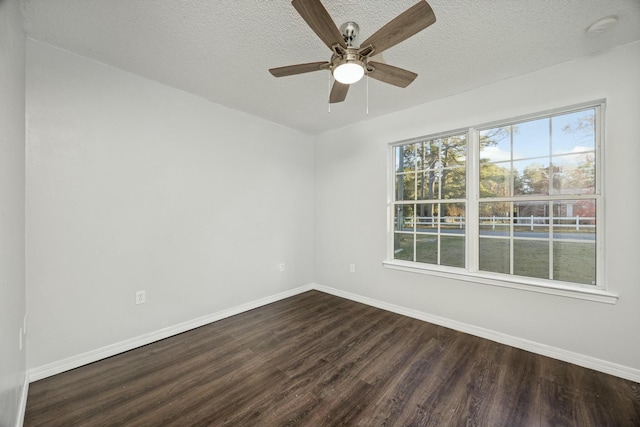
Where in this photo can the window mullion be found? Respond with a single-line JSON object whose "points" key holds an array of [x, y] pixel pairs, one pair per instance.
{"points": [[417, 165], [551, 222], [512, 179], [551, 192], [599, 199], [473, 200], [511, 235]]}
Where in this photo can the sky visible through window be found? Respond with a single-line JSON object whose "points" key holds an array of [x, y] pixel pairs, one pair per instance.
{"points": [[528, 137], [566, 142]]}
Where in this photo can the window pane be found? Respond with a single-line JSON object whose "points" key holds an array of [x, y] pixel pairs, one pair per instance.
{"points": [[429, 185], [495, 144], [531, 258], [494, 255], [452, 218], [403, 218], [574, 174], [531, 139], [429, 155], [531, 177], [495, 219], [427, 217], [405, 186], [427, 248], [454, 183], [441, 163], [574, 219], [495, 179], [453, 151], [403, 246], [405, 156], [574, 262], [531, 219], [574, 132], [452, 251]]}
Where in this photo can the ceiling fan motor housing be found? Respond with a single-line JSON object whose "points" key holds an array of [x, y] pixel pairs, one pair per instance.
{"points": [[348, 56], [349, 31]]}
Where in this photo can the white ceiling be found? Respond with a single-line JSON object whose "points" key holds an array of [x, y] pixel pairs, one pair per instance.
{"points": [[221, 49]]}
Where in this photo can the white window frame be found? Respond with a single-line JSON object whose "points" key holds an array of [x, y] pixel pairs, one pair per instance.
{"points": [[598, 292]]}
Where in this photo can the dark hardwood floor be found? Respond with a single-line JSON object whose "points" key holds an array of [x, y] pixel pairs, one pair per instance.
{"points": [[319, 360]]}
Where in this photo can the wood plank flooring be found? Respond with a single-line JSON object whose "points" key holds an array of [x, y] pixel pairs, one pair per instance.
{"points": [[319, 360]]}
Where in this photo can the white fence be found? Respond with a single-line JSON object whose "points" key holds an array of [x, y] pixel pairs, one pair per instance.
{"points": [[576, 223]]}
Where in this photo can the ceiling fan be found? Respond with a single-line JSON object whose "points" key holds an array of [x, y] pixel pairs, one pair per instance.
{"points": [[349, 63]]}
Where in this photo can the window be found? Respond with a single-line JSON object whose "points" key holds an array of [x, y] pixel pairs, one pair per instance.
{"points": [[430, 189], [516, 201]]}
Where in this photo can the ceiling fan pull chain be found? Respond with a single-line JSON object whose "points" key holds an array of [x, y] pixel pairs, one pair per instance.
{"points": [[329, 92], [367, 71]]}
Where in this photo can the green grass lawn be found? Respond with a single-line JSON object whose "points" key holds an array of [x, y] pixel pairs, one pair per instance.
{"points": [[572, 261]]}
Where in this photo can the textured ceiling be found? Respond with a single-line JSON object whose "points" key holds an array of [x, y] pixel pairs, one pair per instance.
{"points": [[221, 50]]}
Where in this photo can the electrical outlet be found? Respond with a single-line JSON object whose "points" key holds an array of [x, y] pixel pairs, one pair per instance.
{"points": [[141, 297], [282, 266], [352, 268]]}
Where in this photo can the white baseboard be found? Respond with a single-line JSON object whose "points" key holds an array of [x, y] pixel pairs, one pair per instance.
{"points": [[534, 347], [73, 362], [22, 404]]}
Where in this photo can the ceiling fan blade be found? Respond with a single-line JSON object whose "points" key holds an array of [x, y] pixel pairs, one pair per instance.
{"points": [[411, 21], [392, 75], [338, 92], [317, 17], [291, 70]]}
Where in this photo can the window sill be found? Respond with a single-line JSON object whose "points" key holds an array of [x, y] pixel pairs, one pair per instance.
{"points": [[570, 291]]}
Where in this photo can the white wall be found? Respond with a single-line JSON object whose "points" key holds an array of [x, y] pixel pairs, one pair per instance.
{"points": [[132, 185], [12, 260], [351, 222]]}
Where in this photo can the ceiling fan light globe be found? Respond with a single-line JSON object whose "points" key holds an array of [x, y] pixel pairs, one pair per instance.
{"points": [[348, 73]]}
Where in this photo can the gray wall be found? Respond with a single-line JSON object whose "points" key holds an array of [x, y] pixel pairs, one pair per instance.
{"points": [[12, 258], [132, 185]]}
